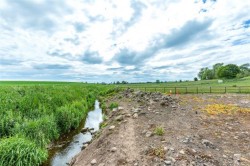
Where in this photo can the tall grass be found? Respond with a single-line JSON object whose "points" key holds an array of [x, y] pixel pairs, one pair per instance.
{"points": [[16, 151], [31, 117]]}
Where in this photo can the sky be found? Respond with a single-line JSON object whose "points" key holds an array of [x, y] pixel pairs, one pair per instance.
{"points": [[111, 40]]}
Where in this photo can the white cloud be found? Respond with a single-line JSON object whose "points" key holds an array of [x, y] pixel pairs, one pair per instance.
{"points": [[112, 40]]}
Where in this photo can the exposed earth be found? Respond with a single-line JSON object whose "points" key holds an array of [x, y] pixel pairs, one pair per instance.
{"points": [[152, 129]]}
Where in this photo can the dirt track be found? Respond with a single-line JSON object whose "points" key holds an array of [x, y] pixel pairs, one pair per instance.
{"points": [[191, 137]]}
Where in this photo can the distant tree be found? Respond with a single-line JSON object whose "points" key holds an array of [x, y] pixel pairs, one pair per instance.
{"points": [[228, 71], [117, 82], [216, 68], [195, 79], [244, 70], [124, 82], [157, 81], [180, 81]]}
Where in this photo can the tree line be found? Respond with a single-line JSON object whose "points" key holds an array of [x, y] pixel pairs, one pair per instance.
{"points": [[219, 70]]}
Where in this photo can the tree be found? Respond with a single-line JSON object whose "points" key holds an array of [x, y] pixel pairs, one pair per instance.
{"points": [[216, 68], [195, 79], [205, 74], [157, 81], [244, 70], [228, 71]]}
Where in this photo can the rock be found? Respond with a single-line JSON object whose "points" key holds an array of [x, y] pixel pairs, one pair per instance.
{"points": [[120, 108], [113, 149], [182, 152], [135, 116], [119, 118], [149, 134], [84, 146], [172, 159], [136, 164], [111, 127], [172, 149], [237, 157], [167, 162], [128, 115], [84, 130], [208, 144], [93, 162], [114, 109], [164, 103]]}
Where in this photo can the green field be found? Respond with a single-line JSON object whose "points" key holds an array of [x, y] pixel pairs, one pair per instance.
{"points": [[34, 116], [203, 86]]}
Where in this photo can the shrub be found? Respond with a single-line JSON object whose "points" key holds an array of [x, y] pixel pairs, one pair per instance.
{"points": [[20, 151]]}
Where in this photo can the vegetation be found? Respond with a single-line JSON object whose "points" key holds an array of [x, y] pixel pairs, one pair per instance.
{"points": [[224, 72], [159, 130], [113, 105], [241, 85], [34, 116], [215, 109]]}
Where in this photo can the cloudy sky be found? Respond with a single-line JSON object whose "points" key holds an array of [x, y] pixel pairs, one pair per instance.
{"points": [[111, 40]]}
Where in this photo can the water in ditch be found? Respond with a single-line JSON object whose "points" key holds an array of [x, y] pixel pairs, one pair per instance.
{"points": [[70, 145]]}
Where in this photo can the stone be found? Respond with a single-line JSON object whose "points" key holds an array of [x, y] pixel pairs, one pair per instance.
{"points": [[237, 159], [93, 162], [84, 146], [149, 134], [128, 115], [113, 149], [208, 144], [120, 108], [172, 149], [119, 118], [114, 109], [135, 116], [111, 127], [84, 130], [167, 162], [182, 152]]}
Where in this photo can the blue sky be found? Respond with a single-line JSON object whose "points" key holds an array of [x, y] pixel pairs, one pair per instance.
{"points": [[110, 40]]}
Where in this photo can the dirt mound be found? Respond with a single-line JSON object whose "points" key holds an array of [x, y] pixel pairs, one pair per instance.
{"points": [[154, 129]]}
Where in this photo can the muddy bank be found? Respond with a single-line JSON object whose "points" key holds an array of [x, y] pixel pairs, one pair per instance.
{"points": [[154, 129]]}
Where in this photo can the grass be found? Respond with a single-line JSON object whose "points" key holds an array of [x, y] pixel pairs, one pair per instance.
{"points": [[34, 116], [157, 151], [113, 105], [215, 109], [159, 130], [203, 86]]}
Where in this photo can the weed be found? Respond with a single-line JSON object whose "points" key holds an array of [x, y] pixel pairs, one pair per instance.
{"points": [[158, 151], [113, 105], [159, 130]]}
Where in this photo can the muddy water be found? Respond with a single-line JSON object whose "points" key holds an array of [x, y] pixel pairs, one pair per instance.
{"points": [[71, 144]]}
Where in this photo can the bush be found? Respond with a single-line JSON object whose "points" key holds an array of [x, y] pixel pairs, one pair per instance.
{"points": [[20, 151]]}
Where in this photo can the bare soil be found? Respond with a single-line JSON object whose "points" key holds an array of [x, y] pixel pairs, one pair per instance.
{"points": [[191, 136]]}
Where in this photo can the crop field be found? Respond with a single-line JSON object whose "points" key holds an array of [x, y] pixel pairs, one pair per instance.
{"points": [[32, 117], [189, 87]]}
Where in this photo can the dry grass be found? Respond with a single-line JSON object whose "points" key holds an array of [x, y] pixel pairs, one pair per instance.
{"points": [[215, 109]]}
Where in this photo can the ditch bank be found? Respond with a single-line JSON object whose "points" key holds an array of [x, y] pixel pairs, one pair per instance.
{"points": [[61, 153]]}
